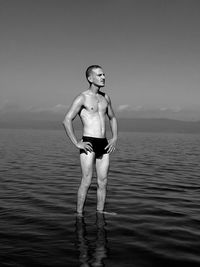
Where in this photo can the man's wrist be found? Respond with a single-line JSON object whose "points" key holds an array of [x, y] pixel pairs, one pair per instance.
{"points": [[76, 144]]}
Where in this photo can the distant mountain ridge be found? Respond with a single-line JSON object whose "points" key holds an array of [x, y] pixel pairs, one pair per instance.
{"points": [[160, 125], [54, 121]]}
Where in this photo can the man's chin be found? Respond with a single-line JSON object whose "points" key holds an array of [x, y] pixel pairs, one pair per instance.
{"points": [[100, 85]]}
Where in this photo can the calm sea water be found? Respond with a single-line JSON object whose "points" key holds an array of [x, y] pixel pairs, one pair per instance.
{"points": [[154, 187]]}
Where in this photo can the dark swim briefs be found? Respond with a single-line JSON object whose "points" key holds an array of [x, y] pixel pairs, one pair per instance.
{"points": [[98, 145]]}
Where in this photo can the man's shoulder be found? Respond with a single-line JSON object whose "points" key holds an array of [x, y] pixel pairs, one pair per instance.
{"points": [[79, 99], [84, 93], [106, 96], [80, 96]]}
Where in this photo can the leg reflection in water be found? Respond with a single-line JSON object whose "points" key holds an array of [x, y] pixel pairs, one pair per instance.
{"points": [[91, 245]]}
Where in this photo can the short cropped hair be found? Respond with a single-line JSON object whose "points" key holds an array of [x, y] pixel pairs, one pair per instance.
{"points": [[90, 69]]}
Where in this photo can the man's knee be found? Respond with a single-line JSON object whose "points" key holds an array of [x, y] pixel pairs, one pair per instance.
{"points": [[102, 182], [86, 181]]}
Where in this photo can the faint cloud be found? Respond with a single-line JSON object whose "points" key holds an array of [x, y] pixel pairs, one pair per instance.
{"points": [[9, 106], [172, 109], [127, 107], [176, 109], [59, 108], [123, 107], [163, 109], [13, 107], [137, 108]]}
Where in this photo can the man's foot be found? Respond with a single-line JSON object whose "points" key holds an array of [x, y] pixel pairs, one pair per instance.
{"points": [[106, 212], [79, 214]]}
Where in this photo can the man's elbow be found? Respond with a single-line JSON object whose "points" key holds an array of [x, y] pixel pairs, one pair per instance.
{"points": [[66, 121], [113, 118]]}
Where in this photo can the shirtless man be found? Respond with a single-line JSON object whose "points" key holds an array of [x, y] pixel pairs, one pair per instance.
{"points": [[92, 106]]}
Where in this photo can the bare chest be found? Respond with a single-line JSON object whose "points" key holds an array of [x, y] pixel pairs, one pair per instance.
{"points": [[95, 104]]}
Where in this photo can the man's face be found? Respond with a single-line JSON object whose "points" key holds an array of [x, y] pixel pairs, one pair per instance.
{"points": [[97, 77]]}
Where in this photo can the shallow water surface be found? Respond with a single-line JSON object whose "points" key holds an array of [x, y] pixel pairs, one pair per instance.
{"points": [[153, 187]]}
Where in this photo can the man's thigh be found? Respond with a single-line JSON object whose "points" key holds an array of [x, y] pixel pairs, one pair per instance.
{"points": [[102, 166], [87, 162]]}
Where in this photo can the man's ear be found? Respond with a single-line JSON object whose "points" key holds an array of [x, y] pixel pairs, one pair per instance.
{"points": [[90, 79]]}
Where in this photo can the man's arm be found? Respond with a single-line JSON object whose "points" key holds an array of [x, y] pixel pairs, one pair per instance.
{"points": [[68, 126], [113, 124], [70, 116]]}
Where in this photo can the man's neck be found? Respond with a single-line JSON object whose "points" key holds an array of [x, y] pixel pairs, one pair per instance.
{"points": [[94, 89]]}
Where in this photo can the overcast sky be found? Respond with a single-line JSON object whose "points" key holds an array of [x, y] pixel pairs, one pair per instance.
{"points": [[149, 50]]}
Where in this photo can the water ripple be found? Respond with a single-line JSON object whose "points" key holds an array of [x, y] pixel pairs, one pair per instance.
{"points": [[153, 187]]}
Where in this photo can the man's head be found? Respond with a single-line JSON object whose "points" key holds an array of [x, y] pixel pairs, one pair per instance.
{"points": [[95, 75]]}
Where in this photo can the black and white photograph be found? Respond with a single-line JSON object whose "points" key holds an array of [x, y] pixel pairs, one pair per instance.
{"points": [[99, 133]]}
